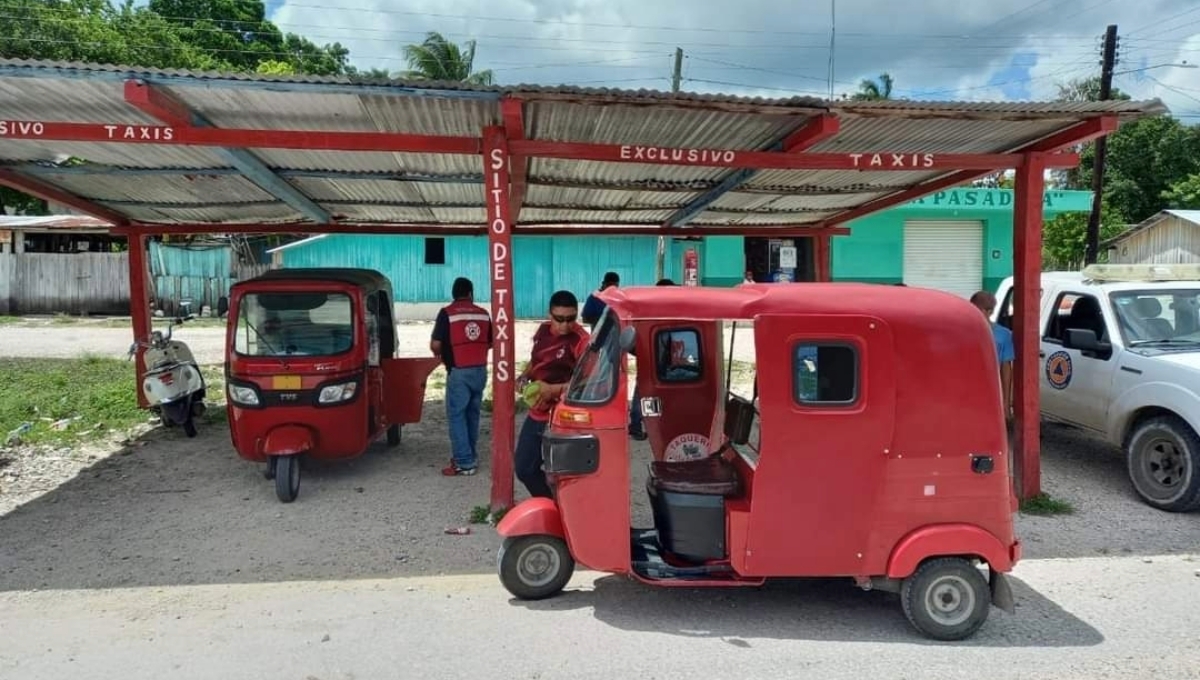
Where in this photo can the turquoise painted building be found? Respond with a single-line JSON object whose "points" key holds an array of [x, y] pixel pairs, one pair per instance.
{"points": [[958, 240]]}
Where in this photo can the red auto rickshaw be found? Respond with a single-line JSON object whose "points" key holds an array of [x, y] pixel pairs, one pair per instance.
{"points": [[869, 444], [310, 369]]}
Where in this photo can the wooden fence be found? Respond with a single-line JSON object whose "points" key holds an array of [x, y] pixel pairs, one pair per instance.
{"points": [[98, 283], [78, 283]]}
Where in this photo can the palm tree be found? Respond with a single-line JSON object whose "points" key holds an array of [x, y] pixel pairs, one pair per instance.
{"points": [[870, 90], [440, 59]]}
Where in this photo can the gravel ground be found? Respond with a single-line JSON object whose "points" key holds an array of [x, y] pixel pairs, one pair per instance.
{"points": [[165, 510]]}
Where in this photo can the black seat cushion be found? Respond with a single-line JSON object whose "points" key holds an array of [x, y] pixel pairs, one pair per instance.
{"points": [[708, 476]]}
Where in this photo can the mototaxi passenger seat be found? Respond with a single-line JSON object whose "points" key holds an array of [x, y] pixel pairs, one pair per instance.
{"points": [[712, 475]]}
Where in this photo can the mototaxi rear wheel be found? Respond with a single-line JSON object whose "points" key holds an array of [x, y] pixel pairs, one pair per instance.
{"points": [[946, 598], [534, 567]]}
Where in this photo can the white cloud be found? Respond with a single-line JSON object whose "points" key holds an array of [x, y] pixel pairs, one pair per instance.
{"points": [[945, 49]]}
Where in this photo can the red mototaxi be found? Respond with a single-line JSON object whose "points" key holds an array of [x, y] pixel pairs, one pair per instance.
{"points": [[871, 446], [311, 371]]}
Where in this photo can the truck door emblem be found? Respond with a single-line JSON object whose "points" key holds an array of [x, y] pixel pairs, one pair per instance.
{"points": [[1058, 370]]}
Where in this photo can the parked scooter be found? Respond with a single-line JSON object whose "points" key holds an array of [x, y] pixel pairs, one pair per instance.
{"points": [[173, 384]]}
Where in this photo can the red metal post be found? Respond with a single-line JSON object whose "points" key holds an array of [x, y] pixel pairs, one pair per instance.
{"points": [[822, 257], [497, 195], [1027, 279], [139, 304], [514, 125]]}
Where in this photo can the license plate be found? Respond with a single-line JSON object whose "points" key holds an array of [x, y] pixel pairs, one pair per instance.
{"points": [[286, 382]]}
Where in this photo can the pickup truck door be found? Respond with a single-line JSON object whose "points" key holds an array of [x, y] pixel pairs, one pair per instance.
{"points": [[1075, 385]]}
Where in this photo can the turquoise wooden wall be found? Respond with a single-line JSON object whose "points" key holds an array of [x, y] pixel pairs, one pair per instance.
{"points": [[541, 264]]}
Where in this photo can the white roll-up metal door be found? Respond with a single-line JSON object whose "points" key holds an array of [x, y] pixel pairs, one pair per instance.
{"points": [[944, 254]]}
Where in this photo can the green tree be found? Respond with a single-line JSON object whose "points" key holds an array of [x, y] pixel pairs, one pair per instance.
{"points": [[439, 59], [1064, 238], [874, 90], [1184, 194], [1143, 160], [222, 35]]}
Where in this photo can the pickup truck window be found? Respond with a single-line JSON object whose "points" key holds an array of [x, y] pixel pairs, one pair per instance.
{"points": [[824, 373], [1075, 310], [1162, 317]]}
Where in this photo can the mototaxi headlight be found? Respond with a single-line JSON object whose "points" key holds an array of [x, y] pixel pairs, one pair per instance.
{"points": [[246, 396], [332, 394]]}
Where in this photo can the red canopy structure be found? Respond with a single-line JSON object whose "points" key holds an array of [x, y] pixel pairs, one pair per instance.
{"points": [[167, 152]]}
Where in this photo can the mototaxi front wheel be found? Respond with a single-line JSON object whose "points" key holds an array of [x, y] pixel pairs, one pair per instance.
{"points": [[535, 567], [287, 478], [946, 598]]}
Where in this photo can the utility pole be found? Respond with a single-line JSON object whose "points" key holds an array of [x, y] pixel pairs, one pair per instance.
{"points": [[661, 260], [1092, 248]]}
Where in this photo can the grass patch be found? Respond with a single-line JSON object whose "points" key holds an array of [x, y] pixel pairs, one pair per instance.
{"points": [[482, 514], [1043, 504], [9, 320], [65, 400]]}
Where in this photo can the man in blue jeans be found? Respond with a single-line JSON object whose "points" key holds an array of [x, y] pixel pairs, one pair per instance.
{"points": [[462, 335]]}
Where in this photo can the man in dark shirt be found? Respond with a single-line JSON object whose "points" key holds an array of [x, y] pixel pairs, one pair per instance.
{"points": [[462, 335], [557, 345], [593, 307]]}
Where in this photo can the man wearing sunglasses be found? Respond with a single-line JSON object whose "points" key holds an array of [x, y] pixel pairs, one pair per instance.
{"points": [[557, 345]]}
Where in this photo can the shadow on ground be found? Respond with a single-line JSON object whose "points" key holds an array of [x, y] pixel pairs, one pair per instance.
{"points": [[167, 510], [815, 610], [172, 511]]}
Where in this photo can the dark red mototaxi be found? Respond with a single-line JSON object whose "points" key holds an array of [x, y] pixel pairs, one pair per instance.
{"points": [[867, 442], [310, 369]]}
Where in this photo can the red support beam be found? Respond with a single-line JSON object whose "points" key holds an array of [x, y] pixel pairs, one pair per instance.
{"points": [[777, 160], [156, 104], [1076, 134], [49, 192], [497, 195], [514, 127], [237, 138], [475, 230], [816, 131], [139, 306], [1027, 279], [823, 257]]}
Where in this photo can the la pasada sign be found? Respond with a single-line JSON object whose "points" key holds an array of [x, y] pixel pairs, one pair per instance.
{"points": [[985, 198]]}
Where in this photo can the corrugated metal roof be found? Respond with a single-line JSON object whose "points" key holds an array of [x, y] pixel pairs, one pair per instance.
{"points": [[373, 187], [1192, 216]]}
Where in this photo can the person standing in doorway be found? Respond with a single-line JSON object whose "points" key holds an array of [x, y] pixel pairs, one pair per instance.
{"points": [[1005, 351], [593, 307], [558, 345], [462, 335]]}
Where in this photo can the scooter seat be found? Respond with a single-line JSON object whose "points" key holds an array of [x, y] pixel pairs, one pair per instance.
{"points": [[708, 476]]}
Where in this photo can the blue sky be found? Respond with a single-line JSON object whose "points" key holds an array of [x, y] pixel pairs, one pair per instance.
{"points": [[937, 49]]}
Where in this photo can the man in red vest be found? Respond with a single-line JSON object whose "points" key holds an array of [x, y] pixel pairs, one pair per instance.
{"points": [[462, 335], [557, 345]]}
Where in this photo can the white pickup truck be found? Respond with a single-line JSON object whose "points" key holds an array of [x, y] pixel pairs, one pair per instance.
{"points": [[1120, 357]]}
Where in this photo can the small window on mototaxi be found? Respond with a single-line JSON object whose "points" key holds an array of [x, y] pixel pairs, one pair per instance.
{"points": [[825, 374], [677, 357]]}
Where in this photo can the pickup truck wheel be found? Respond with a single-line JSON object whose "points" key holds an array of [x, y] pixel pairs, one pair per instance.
{"points": [[1163, 459]]}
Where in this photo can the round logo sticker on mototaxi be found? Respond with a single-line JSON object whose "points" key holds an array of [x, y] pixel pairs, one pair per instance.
{"points": [[1058, 370], [686, 447]]}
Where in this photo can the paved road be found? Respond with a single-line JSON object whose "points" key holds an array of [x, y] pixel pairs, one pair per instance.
{"points": [[1092, 618]]}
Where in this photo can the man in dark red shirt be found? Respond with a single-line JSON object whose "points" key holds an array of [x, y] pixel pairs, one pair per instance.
{"points": [[462, 335], [557, 345]]}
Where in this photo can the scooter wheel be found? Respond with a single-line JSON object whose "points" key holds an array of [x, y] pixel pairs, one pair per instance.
{"points": [[535, 567], [189, 426], [946, 599], [287, 478]]}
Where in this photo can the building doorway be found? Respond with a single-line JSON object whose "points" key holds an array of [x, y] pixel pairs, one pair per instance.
{"points": [[780, 259]]}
